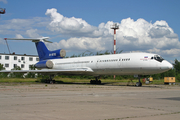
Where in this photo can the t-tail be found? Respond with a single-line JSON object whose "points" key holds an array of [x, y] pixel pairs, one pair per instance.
{"points": [[43, 52]]}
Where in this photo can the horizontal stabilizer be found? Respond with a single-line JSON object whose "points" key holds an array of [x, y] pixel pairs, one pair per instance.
{"points": [[43, 39]]}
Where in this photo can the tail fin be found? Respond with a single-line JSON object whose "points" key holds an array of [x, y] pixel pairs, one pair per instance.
{"points": [[43, 52]]}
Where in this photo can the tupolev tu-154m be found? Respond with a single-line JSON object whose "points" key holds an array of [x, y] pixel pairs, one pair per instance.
{"points": [[52, 63]]}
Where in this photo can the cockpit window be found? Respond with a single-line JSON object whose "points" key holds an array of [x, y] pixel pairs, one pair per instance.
{"points": [[158, 58]]}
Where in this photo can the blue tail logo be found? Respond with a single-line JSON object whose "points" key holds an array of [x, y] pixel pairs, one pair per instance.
{"points": [[45, 54]]}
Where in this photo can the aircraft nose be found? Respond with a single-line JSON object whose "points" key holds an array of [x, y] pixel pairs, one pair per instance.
{"points": [[167, 65], [170, 66]]}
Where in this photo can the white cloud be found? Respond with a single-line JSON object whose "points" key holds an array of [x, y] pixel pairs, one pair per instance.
{"points": [[32, 33], [2, 41], [68, 26], [4, 1], [19, 36], [76, 44], [138, 35], [20, 26], [173, 52]]}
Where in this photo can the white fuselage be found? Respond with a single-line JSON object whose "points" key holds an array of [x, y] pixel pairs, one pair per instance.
{"points": [[115, 64]]}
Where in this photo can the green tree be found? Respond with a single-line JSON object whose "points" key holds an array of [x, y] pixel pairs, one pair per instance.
{"points": [[1, 67], [2, 75], [177, 69], [177, 66], [170, 73], [16, 74], [30, 74]]}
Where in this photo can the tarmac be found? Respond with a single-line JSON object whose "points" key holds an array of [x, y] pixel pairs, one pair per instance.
{"points": [[89, 102]]}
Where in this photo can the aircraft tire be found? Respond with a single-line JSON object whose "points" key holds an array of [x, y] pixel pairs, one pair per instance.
{"points": [[54, 81], [91, 82], [51, 82], [48, 81], [138, 84], [95, 82]]}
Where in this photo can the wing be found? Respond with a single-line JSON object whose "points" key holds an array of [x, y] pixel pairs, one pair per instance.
{"points": [[77, 71]]}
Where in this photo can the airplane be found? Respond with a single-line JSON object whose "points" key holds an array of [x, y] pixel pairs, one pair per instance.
{"points": [[52, 63]]}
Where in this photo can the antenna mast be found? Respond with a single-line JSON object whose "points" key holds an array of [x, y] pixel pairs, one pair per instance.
{"points": [[115, 26]]}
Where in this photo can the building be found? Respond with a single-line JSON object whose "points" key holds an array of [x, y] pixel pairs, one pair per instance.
{"points": [[10, 61]]}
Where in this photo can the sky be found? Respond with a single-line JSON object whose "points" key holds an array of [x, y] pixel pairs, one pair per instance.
{"points": [[77, 26]]}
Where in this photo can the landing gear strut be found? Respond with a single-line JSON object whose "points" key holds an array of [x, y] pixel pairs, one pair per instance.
{"points": [[95, 81], [139, 84], [50, 80]]}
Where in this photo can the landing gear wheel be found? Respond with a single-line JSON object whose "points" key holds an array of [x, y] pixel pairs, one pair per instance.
{"points": [[52, 81], [95, 82], [47, 81], [138, 84], [91, 82]]}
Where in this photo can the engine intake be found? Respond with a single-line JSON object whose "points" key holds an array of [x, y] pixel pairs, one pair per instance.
{"points": [[45, 64], [62, 53]]}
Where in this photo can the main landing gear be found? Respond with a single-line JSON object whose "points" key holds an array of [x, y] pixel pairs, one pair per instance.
{"points": [[95, 81], [139, 84], [50, 80]]}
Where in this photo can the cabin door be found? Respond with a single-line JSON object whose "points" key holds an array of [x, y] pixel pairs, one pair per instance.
{"points": [[119, 62]]}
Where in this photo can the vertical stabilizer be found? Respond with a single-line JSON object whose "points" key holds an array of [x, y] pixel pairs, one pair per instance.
{"points": [[43, 52]]}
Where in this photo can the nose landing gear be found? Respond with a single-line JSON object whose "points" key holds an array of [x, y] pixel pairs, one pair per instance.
{"points": [[139, 84]]}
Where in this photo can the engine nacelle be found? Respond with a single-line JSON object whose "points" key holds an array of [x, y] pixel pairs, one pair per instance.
{"points": [[56, 54], [45, 64]]}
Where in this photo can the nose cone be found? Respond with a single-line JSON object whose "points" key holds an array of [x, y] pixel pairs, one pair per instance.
{"points": [[170, 66], [166, 65]]}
